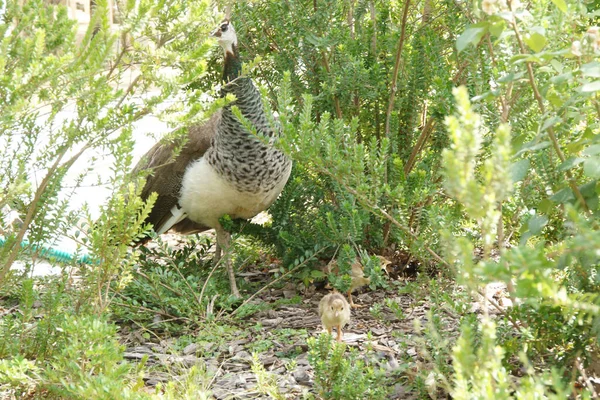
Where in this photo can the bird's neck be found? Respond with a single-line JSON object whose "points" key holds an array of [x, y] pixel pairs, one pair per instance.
{"points": [[232, 67]]}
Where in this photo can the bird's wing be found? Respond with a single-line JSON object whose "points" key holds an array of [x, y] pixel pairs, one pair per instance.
{"points": [[167, 175], [357, 270], [346, 314], [322, 305]]}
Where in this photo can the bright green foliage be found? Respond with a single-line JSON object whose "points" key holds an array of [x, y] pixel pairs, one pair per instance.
{"points": [[193, 385], [479, 193], [266, 383], [68, 102], [552, 271], [64, 97], [460, 162], [87, 365], [33, 333], [341, 374], [479, 373], [86, 362], [17, 374]]}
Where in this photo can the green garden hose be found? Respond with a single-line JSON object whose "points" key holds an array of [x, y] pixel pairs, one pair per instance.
{"points": [[51, 254]]}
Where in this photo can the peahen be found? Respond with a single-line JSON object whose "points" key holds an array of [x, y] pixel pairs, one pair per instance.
{"points": [[222, 169]]}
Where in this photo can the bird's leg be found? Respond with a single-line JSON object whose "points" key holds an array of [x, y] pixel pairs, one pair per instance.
{"points": [[352, 301], [224, 241], [339, 333], [218, 253]]}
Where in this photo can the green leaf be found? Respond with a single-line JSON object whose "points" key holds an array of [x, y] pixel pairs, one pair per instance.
{"points": [[558, 67], [591, 87], [555, 99], [592, 150], [518, 171], [511, 77], [536, 223], [570, 163], [536, 41], [545, 206], [496, 28], [591, 70], [532, 146], [550, 122], [562, 196], [315, 273], [472, 35], [562, 78], [561, 5], [591, 167]]}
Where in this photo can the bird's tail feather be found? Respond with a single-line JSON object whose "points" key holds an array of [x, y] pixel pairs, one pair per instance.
{"points": [[177, 215]]}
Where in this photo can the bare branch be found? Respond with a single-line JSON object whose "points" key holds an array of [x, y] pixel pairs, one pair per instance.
{"points": [[393, 87]]}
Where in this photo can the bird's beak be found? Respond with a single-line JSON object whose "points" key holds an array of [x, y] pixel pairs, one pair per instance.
{"points": [[216, 33]]}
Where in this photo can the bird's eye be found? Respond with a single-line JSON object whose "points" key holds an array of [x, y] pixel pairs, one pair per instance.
{"points": [[224, 28]]}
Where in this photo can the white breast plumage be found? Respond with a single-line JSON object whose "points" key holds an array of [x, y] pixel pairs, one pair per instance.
{"points": [[206, 196]]}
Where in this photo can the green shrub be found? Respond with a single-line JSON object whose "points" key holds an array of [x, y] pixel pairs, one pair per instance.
{"points": [[83, 361], [340, 373], [88, 363]]}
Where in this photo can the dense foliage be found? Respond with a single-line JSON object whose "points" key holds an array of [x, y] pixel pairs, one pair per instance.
{"points": [[460, 137]]}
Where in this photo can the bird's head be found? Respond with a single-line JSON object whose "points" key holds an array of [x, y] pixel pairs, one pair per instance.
{"points": [[337, 306], [225, 34]]}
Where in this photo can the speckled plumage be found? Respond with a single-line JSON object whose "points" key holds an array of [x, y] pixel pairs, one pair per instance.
{"points": [[238, 175], [237, 155]]}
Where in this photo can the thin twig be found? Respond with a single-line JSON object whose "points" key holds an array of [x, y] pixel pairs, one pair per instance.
{"points": [[214, 268], [374, 22], [502, 312], [350, 19], [33, 208], [336, 100], [142, 308], [198, 299], [129, 90], [118, 60], [394, 221], [426, 131], [393, 87], [178, 293], [585, 378], [144, 329], [423, 137]]}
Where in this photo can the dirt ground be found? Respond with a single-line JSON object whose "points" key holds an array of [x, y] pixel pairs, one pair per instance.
{"points": [[384, 330]]}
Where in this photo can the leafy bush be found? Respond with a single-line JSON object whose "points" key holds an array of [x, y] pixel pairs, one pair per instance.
{"points": [[353, 142], [88, 366], [343, 374], [554, 317], [63, 104], [84, 362], [69, 103], [178, 285]]}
